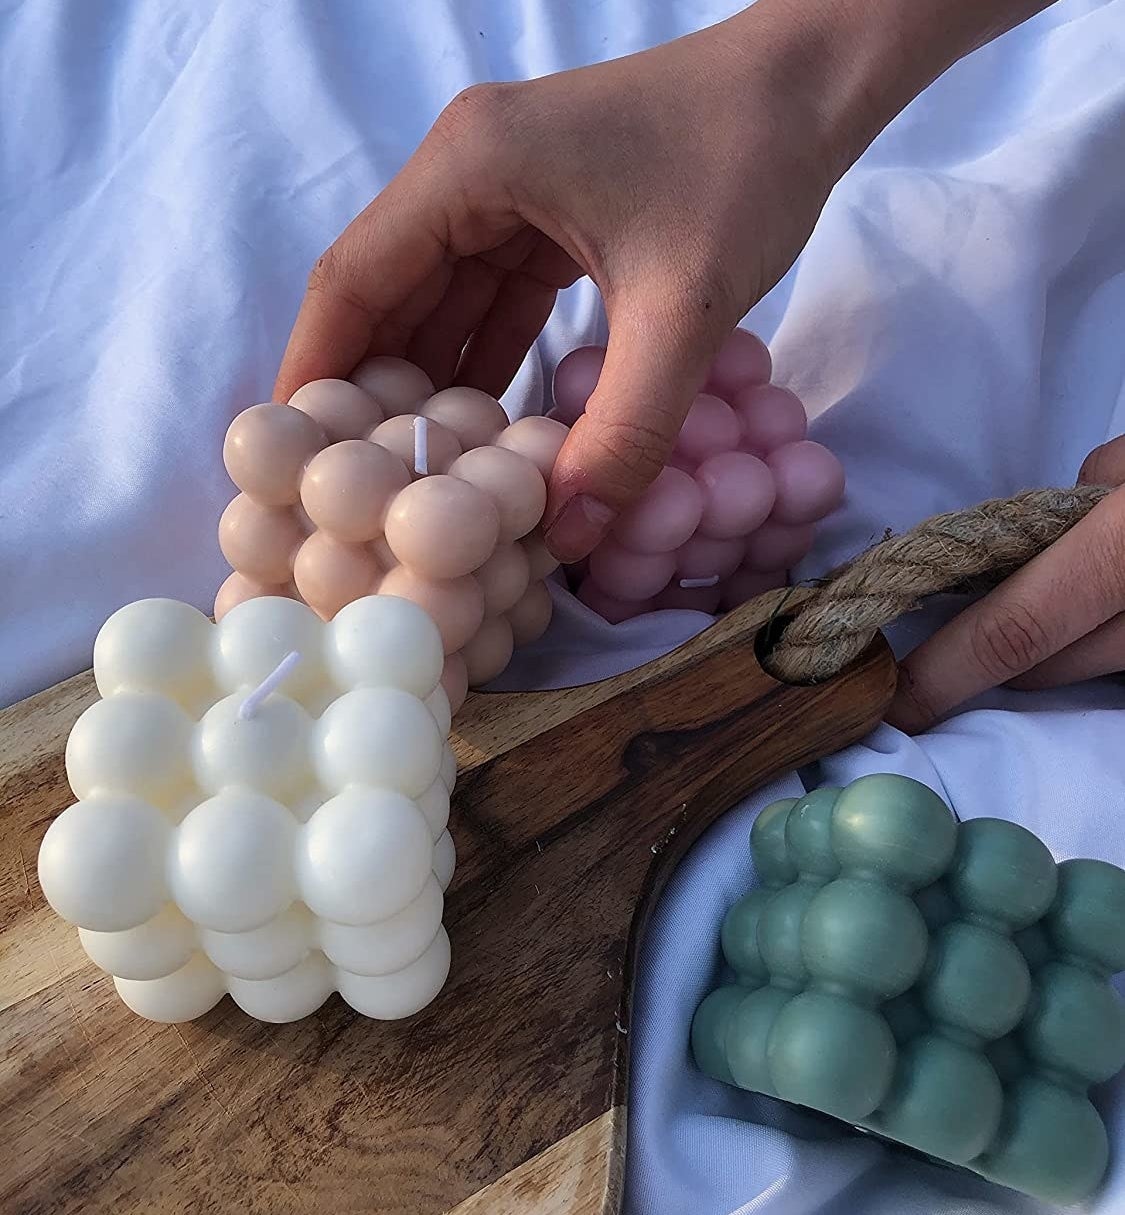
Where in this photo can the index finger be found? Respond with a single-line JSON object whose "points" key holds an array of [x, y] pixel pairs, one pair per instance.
{"points": [[380, 259], [1060, 596]]}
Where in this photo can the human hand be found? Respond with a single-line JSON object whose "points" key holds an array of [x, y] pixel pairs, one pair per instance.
{"points": [[683, 181], [1059, 620]]}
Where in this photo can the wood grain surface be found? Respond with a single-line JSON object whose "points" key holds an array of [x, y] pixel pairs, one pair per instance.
{"points": [[507, 1095]]}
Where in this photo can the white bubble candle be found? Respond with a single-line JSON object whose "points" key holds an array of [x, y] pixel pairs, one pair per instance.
{"points": [[262, 809]]}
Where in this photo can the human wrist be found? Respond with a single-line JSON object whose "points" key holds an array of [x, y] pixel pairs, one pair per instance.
{"points": [[855, 64]]}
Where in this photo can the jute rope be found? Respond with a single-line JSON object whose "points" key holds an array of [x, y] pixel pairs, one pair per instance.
{"points": [[966, 550]]}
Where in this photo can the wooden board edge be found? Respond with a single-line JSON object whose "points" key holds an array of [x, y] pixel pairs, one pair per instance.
{"points": [[568, 1178]]}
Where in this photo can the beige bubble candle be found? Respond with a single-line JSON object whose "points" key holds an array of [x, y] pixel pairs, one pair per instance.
{"points": [[383, 486]]}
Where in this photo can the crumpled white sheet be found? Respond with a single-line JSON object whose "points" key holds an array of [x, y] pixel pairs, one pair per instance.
{"points": [[169, 171]]}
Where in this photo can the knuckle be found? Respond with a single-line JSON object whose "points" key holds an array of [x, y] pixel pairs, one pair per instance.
{"points": [[480, 116], [1009, 640], [1105, 465]]}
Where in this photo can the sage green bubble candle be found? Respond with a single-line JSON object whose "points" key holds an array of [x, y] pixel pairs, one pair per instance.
{"points": [[944, 985]]}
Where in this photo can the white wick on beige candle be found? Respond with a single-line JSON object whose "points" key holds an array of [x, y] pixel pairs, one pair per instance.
{"points": [[270, 684], [421, 447], [691, 584]]}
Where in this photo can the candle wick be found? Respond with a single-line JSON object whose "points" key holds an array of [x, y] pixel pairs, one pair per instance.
{"points": [[691, 584], [421, 447], [270, 684]]}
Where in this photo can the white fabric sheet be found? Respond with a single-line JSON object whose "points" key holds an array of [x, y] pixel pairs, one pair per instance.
{"points": [[170, 169]]}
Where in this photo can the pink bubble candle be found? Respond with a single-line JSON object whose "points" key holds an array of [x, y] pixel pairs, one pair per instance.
{"points": [[384, 486], [735, 508]]}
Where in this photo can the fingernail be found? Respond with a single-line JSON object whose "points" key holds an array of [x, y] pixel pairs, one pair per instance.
{"points": [[578, 527]]}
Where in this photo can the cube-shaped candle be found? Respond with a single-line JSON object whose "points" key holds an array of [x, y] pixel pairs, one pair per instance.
{"points": [[262, 810], [944, 985], [735, 508], [383, 486]]}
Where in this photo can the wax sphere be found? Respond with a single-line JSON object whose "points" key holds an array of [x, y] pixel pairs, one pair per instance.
{"points": [[268, 751], [186, 993], [389, 944], [259, 541], [154, 645], [777, 546], [615, 611], [455, 681], [627, 575], [769, 417], [456, 605], [440, 709], [531, 616], [377, 736], [135, 742], [330, 574], [434, 804], [703, 557], [443, 527], [364, 855], [384, 641], [473, 416], [710, 427], [512, 481], [231, 866], [743, 359], [665, 515], [576, 377], [830, 1054], [709, 1031], [809, 480], [504, 578], [541, 558], [397, 385], [489, 651], [257, 635], [348, 487], [236, 589], [265, 952], [402, 994], [538, 439], [738, 494], [101, 864], [445, 859], [288, 997], [266, 450], [397, 435], [342, 410], [676, 598], [155, 948]]}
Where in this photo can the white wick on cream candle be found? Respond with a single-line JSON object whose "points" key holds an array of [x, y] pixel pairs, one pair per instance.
{"points": [[691, 584], [271, 683], [421, 447]]}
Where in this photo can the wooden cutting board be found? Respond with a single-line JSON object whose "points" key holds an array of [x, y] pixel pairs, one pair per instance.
{"points": [[507, 1095]]}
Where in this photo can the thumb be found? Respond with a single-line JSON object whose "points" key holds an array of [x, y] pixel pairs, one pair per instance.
{"points": [[653, 368]]}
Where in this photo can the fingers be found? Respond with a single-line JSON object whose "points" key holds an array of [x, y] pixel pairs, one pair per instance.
{"points": [[1101, 652], [1066, 593], [379, 261], [656, 361], [516, 318], [1105, 465]]}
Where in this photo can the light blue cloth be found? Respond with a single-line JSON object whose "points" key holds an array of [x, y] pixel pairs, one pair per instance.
{"points": [[168, 173]]}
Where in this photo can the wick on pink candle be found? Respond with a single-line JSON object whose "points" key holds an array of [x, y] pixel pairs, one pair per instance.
{"points": [[270, 684], [421, 447], [692, 584]]}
